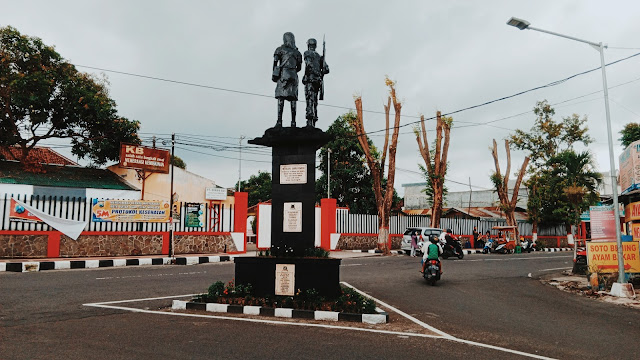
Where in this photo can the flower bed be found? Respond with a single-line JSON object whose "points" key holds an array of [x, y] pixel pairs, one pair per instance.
{"points": [[349, 300]]}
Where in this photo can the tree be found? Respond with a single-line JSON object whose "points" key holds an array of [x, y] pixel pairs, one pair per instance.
{"points": [[545, 139], [502, 186], [178, 162], [575, 182], [258, 187], [630, 133], [548, 137], [43, 97], [376, 162], [351, 181], [436, 162]]}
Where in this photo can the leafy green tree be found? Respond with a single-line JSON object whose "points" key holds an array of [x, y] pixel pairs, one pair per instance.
{"points": [[258, 187], [630, 133], [547, 137], [544, 140], [42, 96], [178, 162], [574, 181]]}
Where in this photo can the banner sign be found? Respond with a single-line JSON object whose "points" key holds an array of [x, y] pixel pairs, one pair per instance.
{"points": [[20, 213], [604, 255], [194, 215], [603, 223], [130, 211], [214, 193], [26, 213], [630, 168], [144, 158]]}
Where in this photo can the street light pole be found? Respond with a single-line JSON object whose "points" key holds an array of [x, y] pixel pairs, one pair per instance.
{"points": [[522, 25]]}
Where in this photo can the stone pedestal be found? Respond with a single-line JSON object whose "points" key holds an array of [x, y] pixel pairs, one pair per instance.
{"points": [[293, 196], [293, 220]]}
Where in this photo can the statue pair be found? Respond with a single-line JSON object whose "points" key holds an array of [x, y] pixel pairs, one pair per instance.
{"points": [[287, 62]]}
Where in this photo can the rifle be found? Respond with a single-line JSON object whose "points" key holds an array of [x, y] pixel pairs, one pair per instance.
{"points": [[322, 71]]}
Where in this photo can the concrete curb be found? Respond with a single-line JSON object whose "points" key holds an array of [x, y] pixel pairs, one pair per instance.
{"points": [[380, 318], [29, 266]]}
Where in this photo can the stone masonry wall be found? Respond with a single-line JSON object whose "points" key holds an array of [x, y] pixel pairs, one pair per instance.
{"points": [[23, 246], [203, 244], [364, 242], [110, 245]]}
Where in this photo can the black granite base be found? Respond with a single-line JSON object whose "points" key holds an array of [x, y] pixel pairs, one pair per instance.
{"points": [[320, 274]]}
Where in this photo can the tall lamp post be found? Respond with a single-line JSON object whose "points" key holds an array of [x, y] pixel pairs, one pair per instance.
{"points": [[522, 25]]}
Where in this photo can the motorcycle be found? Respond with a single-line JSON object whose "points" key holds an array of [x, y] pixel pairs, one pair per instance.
{"points": [[454, 248], [432, 272], [488, 246], [527, 245]]}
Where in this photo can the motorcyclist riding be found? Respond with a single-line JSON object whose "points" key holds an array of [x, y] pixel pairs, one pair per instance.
{"points": [[431, 251]]}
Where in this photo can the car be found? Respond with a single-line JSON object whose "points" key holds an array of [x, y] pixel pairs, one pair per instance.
{"points": [[423, 234]]}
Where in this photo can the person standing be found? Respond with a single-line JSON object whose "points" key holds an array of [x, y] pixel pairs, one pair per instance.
{"points": [[414, 243], [287, 62], [315, 69], [476, 235]]}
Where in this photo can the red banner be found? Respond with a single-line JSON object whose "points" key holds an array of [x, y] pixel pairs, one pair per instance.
{"points": [[18, 213], [144, 158]]}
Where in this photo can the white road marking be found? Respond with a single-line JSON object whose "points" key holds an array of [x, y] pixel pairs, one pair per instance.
{"points": [[519, 258], [443, 335], [562, 268], [350, 265], [153, 275]]}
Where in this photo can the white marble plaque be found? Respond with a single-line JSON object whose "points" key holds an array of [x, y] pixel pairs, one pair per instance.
{"points": [[285, 279], [292, 219], [293, 174]]}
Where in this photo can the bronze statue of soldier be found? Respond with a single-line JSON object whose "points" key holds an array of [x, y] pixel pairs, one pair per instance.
{"points": [[315, 69], [287, 62]]}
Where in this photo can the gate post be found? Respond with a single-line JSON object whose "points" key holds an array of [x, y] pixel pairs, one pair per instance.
{"points": [[328, 222]]}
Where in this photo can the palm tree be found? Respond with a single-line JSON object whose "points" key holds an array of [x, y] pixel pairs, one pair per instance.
{"points": [[575, 182]]}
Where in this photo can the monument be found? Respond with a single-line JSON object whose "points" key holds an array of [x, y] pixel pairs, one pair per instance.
{"points": [[293, 184]]}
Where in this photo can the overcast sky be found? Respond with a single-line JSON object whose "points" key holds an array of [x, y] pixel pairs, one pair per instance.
{"points": [[444, 55]]}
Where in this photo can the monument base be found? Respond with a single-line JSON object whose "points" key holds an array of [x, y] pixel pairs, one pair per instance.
{"points": [[320, 274]]}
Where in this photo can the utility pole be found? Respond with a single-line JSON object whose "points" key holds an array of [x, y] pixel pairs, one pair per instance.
{"points": [[171, 248], [328, 173], [240, 162]]}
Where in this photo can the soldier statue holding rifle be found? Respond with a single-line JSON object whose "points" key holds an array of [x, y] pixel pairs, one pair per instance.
{"points": [[313, 80]]}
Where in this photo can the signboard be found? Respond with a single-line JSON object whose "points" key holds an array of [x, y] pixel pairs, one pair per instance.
{"points": [[194, 215], [635, 231], [19, 213], [130, 211], [632, 212], [215, 193], [604, 255], [285, 279], [292, 217], [293, 174], [603, 223], [630, 168], [144, 158]]}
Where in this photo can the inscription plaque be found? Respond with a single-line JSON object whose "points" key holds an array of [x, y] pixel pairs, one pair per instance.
{"points": [[285, 279], [293, 174], [292, 220]]}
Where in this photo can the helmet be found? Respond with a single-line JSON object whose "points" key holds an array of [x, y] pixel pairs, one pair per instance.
{"points": [[312, 41], [449, 231], [434, 238]]}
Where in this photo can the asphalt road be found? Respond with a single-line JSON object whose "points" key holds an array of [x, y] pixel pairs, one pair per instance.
{"points": [[487, 299]]}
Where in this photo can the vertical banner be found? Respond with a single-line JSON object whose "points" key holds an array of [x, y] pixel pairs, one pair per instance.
{"points": [[194, 215], [603, 223]]}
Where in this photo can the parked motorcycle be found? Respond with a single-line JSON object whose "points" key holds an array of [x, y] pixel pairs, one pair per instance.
{"points": [[488, 246], [453, 248], [527, 245], [505, 246], [432, 272]]}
